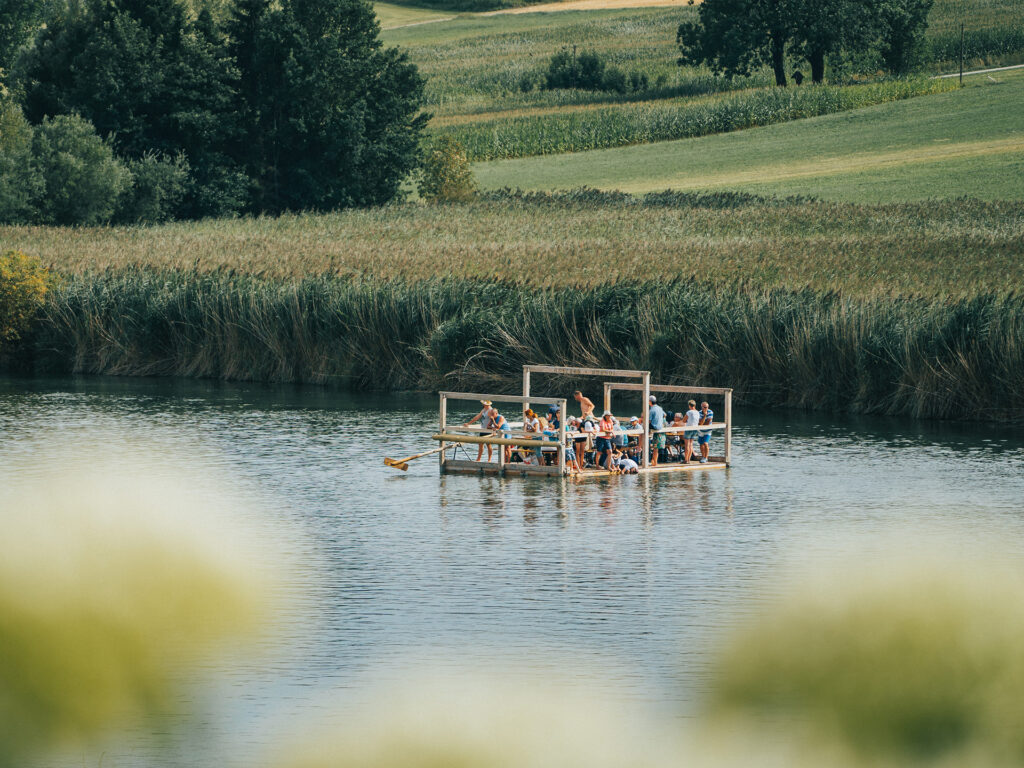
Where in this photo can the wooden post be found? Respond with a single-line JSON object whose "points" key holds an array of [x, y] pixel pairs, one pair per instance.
{"points": [[561, 438], [607, 396], [646, 410], [526, 386], [444, 423], [728, 428]]}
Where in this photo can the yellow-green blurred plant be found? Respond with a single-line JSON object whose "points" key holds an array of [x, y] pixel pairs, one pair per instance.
{"points": [[487, 722], [109, 587], [24, 282], [918, 663], [446, 176]]}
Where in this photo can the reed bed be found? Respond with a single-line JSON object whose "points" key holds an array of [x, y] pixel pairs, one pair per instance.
{"points": [[805, 349], [622, 125], [586, 238]]}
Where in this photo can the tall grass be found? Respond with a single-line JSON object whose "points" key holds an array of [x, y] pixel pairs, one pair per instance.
{"points": [[805, 348], [584, 238], [659, 121]]}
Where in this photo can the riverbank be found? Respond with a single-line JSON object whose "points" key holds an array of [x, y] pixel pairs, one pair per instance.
{"points": [[805, 349], [909, 309]]}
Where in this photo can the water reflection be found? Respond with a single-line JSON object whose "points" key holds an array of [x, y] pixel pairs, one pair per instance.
{"points": [[408, 569]]}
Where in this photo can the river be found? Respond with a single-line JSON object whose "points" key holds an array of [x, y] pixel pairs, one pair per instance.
{"points": [[630, 579]]}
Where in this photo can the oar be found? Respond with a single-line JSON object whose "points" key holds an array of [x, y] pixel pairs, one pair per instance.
{"points": [[403, 464]]}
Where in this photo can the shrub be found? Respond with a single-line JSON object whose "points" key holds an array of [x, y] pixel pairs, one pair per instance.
{"points": [[158, 185], [83, 179], [614, 79], [446, 175], [23, 285], [567, 70], [20, 182]]}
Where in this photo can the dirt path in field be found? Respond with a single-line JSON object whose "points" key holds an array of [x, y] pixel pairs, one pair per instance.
{"points": [[589, 5], [853, 163], [418, 23]]}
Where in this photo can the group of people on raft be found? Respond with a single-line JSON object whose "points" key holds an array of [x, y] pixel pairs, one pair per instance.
{"points": [[604, 442]]}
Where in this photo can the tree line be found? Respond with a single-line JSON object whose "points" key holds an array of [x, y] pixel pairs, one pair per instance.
{"points": [[735, 37], [147, 110]]}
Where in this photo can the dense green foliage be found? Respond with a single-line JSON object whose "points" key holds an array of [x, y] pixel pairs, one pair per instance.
{"points": [[82, 179], [285, 106], [20, 181], [329, 115], [614, 126], [19, 20], [802, 349], [896, 309], [590, 72], [150, 77], [738, 36], [158, 186]]}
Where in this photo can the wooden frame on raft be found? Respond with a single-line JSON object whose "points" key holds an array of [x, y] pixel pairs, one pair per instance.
{"points": [[684, 390], [448, 436]]}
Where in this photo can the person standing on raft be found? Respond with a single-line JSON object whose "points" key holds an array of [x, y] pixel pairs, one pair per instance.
{"points": [[484, 417], [586, 405], [707, 416]]}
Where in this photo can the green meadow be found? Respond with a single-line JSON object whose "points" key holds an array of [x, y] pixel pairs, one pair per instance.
{"points": [[966, 142]]}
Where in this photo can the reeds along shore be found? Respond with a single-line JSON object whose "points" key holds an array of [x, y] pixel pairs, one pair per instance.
{"points": [[953, 358]]}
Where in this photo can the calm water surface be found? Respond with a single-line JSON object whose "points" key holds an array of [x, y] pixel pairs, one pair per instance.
{"points": [[629, 579]]}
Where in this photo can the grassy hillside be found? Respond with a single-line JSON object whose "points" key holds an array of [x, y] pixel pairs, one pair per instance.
{"points": [[484, 72], [968, 142]]}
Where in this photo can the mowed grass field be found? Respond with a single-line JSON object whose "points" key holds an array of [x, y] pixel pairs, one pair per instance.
{"points": [[392, 16], [969, 142]]}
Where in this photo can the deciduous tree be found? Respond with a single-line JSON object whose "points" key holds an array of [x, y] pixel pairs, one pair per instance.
{"points": [[150, 76], [330, 115]]}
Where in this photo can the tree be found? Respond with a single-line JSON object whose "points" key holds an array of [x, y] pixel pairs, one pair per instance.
{"points": [[446, 173], [735, 36], [330, 116], [83, 179], [901, 25], [20, 181], [825, 27], [19, 21], [150, 76], [23, 286], [158, 186]]}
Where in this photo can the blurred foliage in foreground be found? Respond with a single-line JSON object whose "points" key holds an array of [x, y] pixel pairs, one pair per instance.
{"points": [[919, 663], [109, 584]]}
